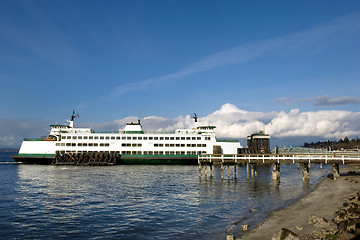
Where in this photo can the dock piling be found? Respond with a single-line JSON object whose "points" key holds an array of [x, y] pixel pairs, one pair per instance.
{"points": [[305, 171], [336, 171]]}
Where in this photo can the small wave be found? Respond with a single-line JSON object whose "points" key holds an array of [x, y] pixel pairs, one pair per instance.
{"points": [[7, 162]]}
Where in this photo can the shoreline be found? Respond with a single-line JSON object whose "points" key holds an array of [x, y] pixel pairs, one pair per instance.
{"points": [[327, 198]]}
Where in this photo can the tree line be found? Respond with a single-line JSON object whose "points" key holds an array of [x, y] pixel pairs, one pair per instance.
{"points": [[345, 143]]}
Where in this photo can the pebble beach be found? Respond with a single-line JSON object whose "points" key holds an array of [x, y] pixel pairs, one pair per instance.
{"points": [[316, 215]]}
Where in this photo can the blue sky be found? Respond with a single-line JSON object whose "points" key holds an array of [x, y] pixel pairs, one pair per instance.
{"points": [[109, 60]]}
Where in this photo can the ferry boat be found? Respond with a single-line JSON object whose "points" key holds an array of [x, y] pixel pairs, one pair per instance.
{"points": [[130, 146]]}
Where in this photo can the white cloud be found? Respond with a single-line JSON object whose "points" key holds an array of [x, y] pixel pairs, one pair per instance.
{"points": [[230, 122]]}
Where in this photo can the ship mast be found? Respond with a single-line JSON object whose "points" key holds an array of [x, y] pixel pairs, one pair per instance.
{"points": [[73, 116]]}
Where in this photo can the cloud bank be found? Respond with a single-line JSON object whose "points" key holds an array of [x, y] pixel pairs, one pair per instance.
{"points": [[230, 122]]}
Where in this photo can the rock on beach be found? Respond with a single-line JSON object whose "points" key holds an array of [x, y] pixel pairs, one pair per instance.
{"points": [[331, 211]]}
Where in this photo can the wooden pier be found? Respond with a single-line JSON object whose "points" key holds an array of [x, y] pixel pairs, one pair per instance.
{"points": [[252, 160]]}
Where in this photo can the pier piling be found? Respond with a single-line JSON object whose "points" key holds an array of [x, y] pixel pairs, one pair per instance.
{"points": [[305, 171], [276, 171], [251, 161], [336, 171]]}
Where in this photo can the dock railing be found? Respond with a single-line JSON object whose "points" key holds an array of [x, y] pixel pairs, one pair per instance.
{"points": [[305, 159]]}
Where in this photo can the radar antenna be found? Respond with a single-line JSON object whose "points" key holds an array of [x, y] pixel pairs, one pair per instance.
{"points": [[195, 117], [73, 116]]}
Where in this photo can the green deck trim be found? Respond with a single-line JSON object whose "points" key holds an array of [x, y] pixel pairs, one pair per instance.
{"points": [[37, 155], [227, 140], [133, 132], [34, 139]]}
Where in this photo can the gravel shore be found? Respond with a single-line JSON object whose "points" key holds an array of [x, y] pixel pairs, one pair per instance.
{"points": [[312, 216]]}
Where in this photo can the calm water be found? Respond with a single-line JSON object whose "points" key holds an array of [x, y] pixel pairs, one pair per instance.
{"points": [[138, 202]]}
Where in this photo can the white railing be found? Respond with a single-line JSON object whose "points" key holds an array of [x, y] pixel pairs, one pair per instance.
{"points": [[343, 157]]}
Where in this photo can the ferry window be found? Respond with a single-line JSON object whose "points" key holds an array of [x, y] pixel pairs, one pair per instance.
{"points": [[187, 138], [156, 145], [96, 137], [123, 144], [199, 145], [161, 145], [134, 145], [112, 138], [177, 138], [63, 137], [172, 152], [182, 138], [74, 137], [80, 144], [204, 145], [139, 138], [62, 144], [101, 144], [79, 137], [156, 138], [57, 144], [182, 145], [91, 144], [167, 145], [102, 137], [150, 152], [95, 144], [150, 138], [177, 145], [161, 138], [145, 152], [139, 144], [193, 138], [117, 138], [85, 137], [84, 144], [91, 137], [107, 138], [68, 137], [167, 152], [128, 138], [145, 138], [198, 138], [73, 144], [188, 145], [107, 144], [161, 152], [156, 152], [166, 138], [182, 153], [172, 145], [134, 138], [171, 138]]}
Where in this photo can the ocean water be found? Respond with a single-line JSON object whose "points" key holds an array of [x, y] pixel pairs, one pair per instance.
{"points": [[139, 201]]}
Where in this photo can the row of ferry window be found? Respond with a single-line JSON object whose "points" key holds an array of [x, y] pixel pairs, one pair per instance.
{"points": [[132, 138], [145, 152], [126, 145], [83, 144], [162, 152], [163, 145]]}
